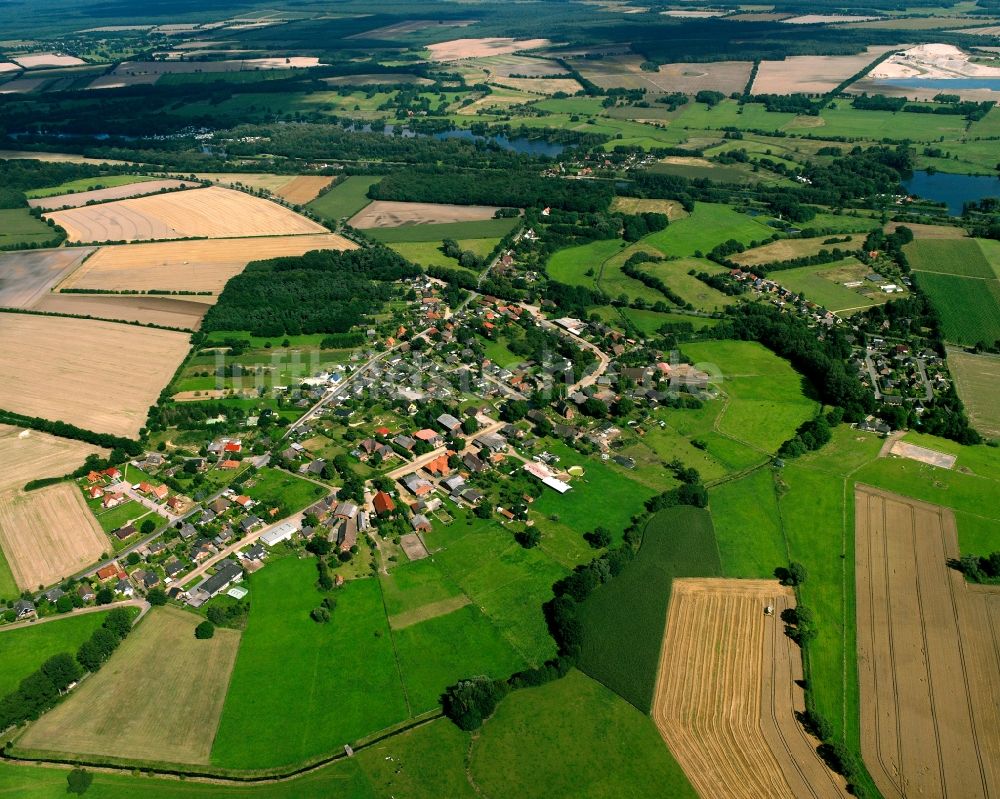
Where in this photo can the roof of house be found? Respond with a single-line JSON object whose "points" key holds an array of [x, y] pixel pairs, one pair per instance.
{"points": [[383, 503], [427, 434]]}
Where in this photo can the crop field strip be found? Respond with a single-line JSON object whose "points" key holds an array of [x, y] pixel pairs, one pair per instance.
{"points": [[48, 534], [81, 198], [97, 375], [143, 704], [928, 662], [977, 380], [30, 455], [721, 701], [188, 265], [389, 213], [212, 212], [184, 313], [27, 276]]}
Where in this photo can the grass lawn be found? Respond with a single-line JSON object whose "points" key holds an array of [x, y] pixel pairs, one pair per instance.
{"points": [[583, 508], [765, 399], [709, 224], [300, 689], [822, 284], [87, 184], [474, 229], [573, 737], [623, 621], [572, 264], [25, 649], [748, 527], [113, 518], [963, 257], [414, 585], [506, 582], [438, 652], [700, 295], [428, 253], [277, 489], [969, 307], [345, 199], [8, 586], [17, 227]]}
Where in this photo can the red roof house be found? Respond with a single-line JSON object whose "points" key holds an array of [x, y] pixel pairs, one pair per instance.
{"points": [[383, 503]]}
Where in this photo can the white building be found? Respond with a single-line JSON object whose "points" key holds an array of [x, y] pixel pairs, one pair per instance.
{"points": [[283, 532]]}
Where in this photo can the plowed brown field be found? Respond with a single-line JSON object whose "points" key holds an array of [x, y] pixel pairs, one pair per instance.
{"points": [[188, 265], [726, 696], [213, 213], [928, 654]]}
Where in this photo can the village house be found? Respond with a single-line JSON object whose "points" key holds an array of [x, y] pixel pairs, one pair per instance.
{"points": [[432, 437], [420, 523], [86, 593], [24, 609], [383, 504], [112, 501]]}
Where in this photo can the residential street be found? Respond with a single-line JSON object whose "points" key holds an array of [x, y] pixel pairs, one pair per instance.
{"points": [[142, 604]]}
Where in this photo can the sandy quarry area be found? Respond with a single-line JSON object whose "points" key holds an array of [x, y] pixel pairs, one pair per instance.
{"points": [[213, 212], [932, 61], [80, 198], [388, 213], [48, 534], [25, 277], [928, 663], [97, 375], [204, 265], [811, 73], [457, 49], [29, 455], [726, 694]]}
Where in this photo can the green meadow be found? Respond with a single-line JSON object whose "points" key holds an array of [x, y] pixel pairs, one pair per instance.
{"points": [[345, 199]]}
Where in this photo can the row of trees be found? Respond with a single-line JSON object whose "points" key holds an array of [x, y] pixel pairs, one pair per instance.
{"points": [[41, 689]]}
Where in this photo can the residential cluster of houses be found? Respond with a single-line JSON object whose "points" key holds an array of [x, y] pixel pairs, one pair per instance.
{"points": [[896, 374]]}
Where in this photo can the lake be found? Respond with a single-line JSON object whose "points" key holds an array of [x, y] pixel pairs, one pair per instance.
{"points": [[952, 190], [944, 84], [519, 144]]}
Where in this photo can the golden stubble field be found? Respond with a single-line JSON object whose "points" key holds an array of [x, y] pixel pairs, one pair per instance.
{"points": [[726, 694], [97, 375], [159, 698], [80, 198], [48, 534], [188, 265], [29, 455], [786, 249], [298, 189], [212, 212], [928, 661]]}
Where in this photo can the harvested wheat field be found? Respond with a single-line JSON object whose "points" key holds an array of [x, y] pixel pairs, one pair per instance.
{"points": [[928, 662], [188, 265], [213, 213], [539, 85], [297, 189], [388, 213], [159, 697], [785, 249], [182, 313], [811, 73], [97, 375], [29, 455], [929, 231], [80, 198], [726, 694], [26, 276], [48, 534], [457, 49]]}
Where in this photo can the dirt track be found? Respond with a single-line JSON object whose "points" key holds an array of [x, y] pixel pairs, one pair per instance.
{"points": [[928, 658], [725, 694]]}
